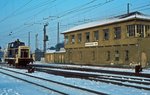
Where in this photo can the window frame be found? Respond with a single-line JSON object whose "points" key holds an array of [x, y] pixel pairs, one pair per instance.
{"points": [[140, 30], [117, 32], [66, 39], [87, 36], [106, 34], [79, 37], [131, 30], [96, 35], [73, 39]]}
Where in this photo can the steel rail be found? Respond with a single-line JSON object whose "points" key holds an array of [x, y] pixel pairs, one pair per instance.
{"points": [[96, 78], [34, 83], [68, 85]]}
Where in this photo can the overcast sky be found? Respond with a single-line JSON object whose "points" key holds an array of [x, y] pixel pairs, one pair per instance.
{"points": [[19, 17]]}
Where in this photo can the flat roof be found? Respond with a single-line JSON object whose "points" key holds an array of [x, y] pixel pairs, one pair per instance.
{"points": [[120, 18]]}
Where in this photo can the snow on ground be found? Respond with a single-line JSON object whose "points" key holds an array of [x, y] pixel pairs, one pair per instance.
{"points": [[12, 86], [98, 86]]}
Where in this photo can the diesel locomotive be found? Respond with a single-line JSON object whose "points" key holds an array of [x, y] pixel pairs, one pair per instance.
{"points": [[17, 54]]}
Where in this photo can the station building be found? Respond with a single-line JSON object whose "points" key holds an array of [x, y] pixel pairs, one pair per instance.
{"points": [[53, 56], [122, 40]]}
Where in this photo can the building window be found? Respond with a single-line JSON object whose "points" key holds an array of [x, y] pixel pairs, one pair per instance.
{"points": [[106, 34], [88, 37], [140, 30], [147, 30], [117, 32], [66, 40], [130, 30], [108, 55], [126, 55], [96, 35], [116, 55], [79, 38], [72, 39]]}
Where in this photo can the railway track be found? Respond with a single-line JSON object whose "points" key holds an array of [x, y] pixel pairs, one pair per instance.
{"points": [[80, 68], [122, 80], [53, 85]]}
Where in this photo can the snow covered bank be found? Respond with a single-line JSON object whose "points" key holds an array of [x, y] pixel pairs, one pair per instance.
{"points": [[98, 86]]}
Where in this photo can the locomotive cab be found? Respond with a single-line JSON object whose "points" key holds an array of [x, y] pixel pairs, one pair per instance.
{"points": [[23, 56], [18, 54]]}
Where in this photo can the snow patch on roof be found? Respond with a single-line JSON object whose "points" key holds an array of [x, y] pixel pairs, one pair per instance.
{"points": [[109, 21], [54, 51], [50, 51]]}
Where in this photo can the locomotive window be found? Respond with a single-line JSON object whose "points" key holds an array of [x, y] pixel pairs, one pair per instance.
{"points": [[12, 45], [24, 53], [10, 52]]}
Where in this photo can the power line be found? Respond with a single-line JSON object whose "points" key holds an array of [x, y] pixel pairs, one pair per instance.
{"points": [[20, 27], [74, 9], [35, 7], [141, 6], [15, 11], [78, 8], [82, 7], [90, 8], [144, 9]]}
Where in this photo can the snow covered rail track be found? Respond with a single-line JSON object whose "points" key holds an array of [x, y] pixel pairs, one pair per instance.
{"points": [[22, 79], [84, 69], [126, 79], [54, 84], [139, 82]]}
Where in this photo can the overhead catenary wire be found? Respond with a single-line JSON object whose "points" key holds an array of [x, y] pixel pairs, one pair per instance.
{"points": [[73, 9], [5, 18], [81, 8], [15, 13], [14, 30], [86, 8], [36, 7]]}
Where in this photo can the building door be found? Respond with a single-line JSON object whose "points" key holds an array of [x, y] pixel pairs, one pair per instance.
{"points": [[143, 59]]}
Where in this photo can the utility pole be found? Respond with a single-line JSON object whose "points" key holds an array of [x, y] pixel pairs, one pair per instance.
{"points": [[36, 41], [29, 39], [58, 33], [128, 8], [45, 38]]}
